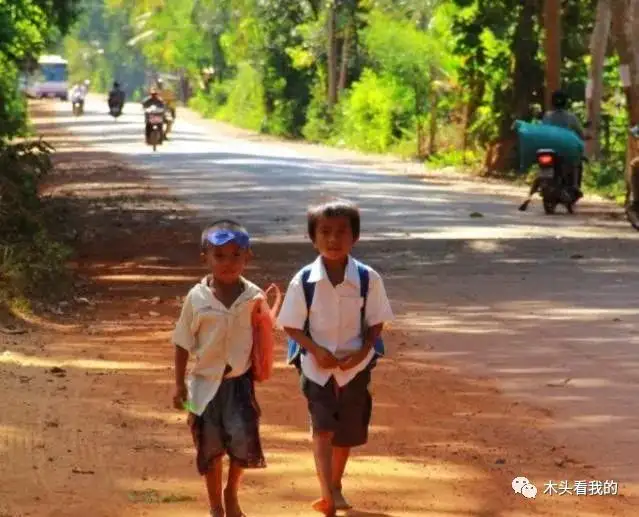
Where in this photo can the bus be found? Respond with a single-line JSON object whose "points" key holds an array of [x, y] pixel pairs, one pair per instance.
{"points": [[50, 79]]}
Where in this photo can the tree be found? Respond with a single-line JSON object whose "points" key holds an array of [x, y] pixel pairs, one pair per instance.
{"points": [[598, 46], [27, 27], [552, 44]]}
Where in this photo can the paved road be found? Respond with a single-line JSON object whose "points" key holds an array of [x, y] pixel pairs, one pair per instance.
{"points": [[548, 305]]}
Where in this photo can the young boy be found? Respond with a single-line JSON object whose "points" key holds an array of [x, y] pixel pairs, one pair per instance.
{"points": [[337, 340], [215, 326]]}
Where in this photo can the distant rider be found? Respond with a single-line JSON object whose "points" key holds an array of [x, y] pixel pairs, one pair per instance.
{"points": [[77, 94], [153, 99], [116, 96]]}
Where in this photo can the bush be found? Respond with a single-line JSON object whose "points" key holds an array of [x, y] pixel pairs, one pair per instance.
{"points": [[318, 127], [31, 261], [606, 178], [376, 114], [245, 105], [209, 103]]}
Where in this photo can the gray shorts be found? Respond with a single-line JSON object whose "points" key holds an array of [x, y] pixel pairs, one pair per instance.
{"points": [[344, 411], [230, 424]]}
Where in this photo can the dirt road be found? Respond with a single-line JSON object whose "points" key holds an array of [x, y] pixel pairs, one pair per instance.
{"points": [[538, 308]]}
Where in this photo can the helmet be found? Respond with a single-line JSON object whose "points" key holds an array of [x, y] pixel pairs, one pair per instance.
{"points": [[87, 82], [160, 82], [559, 99], [116, 84]]}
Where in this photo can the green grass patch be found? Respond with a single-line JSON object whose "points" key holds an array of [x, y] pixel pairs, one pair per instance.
{"points": [[152, 496]]}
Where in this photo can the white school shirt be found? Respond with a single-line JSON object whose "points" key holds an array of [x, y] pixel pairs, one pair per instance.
{"points": [[216, 336], [335, 317]]}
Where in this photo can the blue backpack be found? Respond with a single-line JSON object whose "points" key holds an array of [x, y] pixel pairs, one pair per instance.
{"points": [[294, 349]]}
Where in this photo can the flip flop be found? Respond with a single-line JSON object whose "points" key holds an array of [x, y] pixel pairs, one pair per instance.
{"points": [[216, 512], [322, 506]]}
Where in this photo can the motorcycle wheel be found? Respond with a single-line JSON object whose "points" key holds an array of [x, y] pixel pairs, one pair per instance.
{"points": [[549, 206]]}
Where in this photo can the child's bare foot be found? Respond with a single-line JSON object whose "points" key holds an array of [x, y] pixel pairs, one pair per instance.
{"points": [[340, 501], [323, 506], [232, 505], [217, 512]]}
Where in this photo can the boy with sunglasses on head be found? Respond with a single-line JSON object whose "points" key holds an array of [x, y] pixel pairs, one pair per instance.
{"points": [[333, 312], [215, 327]]}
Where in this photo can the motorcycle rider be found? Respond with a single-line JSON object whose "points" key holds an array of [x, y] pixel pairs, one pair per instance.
{"points": [[116, 97], [77, 94], [561, 116], [153, 99], [169, 99]]}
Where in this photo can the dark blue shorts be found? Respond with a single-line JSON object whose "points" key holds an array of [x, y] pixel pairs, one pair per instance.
{"points": [[230, 424], [345, 412]]}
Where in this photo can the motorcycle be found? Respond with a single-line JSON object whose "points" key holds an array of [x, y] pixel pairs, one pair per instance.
{"points": [[155, 117], [115, 110], [77, 106], [632, 183], [554, 182]]}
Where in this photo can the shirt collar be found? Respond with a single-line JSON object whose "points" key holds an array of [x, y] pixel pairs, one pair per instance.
{"points": [[318, 272], [250, 290]]}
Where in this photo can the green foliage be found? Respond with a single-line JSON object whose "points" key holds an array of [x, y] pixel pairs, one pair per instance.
{"points": [[27, 27], [31, 261], [318, 127], [245, 105], [376, 114], [98, 49], [12, 104]]}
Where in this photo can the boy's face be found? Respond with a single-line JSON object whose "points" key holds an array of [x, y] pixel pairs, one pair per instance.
{"points": [[334, 237], [226, 262]]}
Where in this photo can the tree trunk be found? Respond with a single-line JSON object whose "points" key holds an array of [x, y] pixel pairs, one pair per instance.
{"points": [[624, 19], [594, 92], [332, 55], [552, 43], [434, 98], [343, 71]]}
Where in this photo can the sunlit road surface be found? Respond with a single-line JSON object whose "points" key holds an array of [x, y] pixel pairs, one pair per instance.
{"points": [[547, 305], [268, 186]]}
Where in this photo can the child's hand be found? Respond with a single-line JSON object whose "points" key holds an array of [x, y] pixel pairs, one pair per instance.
{"points": [[324, 358], [179, 397], [351, 361]]}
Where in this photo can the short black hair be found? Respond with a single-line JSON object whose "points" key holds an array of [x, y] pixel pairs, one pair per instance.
{"points": [[559, 99], [336, 208], [222, 224]]}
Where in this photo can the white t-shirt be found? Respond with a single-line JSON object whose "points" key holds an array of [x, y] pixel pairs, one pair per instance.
{"points": [[335, 317], [217, 337]]}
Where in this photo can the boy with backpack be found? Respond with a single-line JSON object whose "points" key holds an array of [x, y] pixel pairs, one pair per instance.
{"points": [[334, 311]]}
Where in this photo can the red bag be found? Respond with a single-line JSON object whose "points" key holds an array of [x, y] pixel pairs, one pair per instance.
{"points": [[263, 321]]}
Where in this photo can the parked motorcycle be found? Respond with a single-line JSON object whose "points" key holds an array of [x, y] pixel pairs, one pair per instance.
{"points": [[632, 182], [154, 119]]}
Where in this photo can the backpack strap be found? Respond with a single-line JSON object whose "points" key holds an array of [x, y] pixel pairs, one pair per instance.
{"points": [[309, 292], [364, 282], [295, 351]]}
